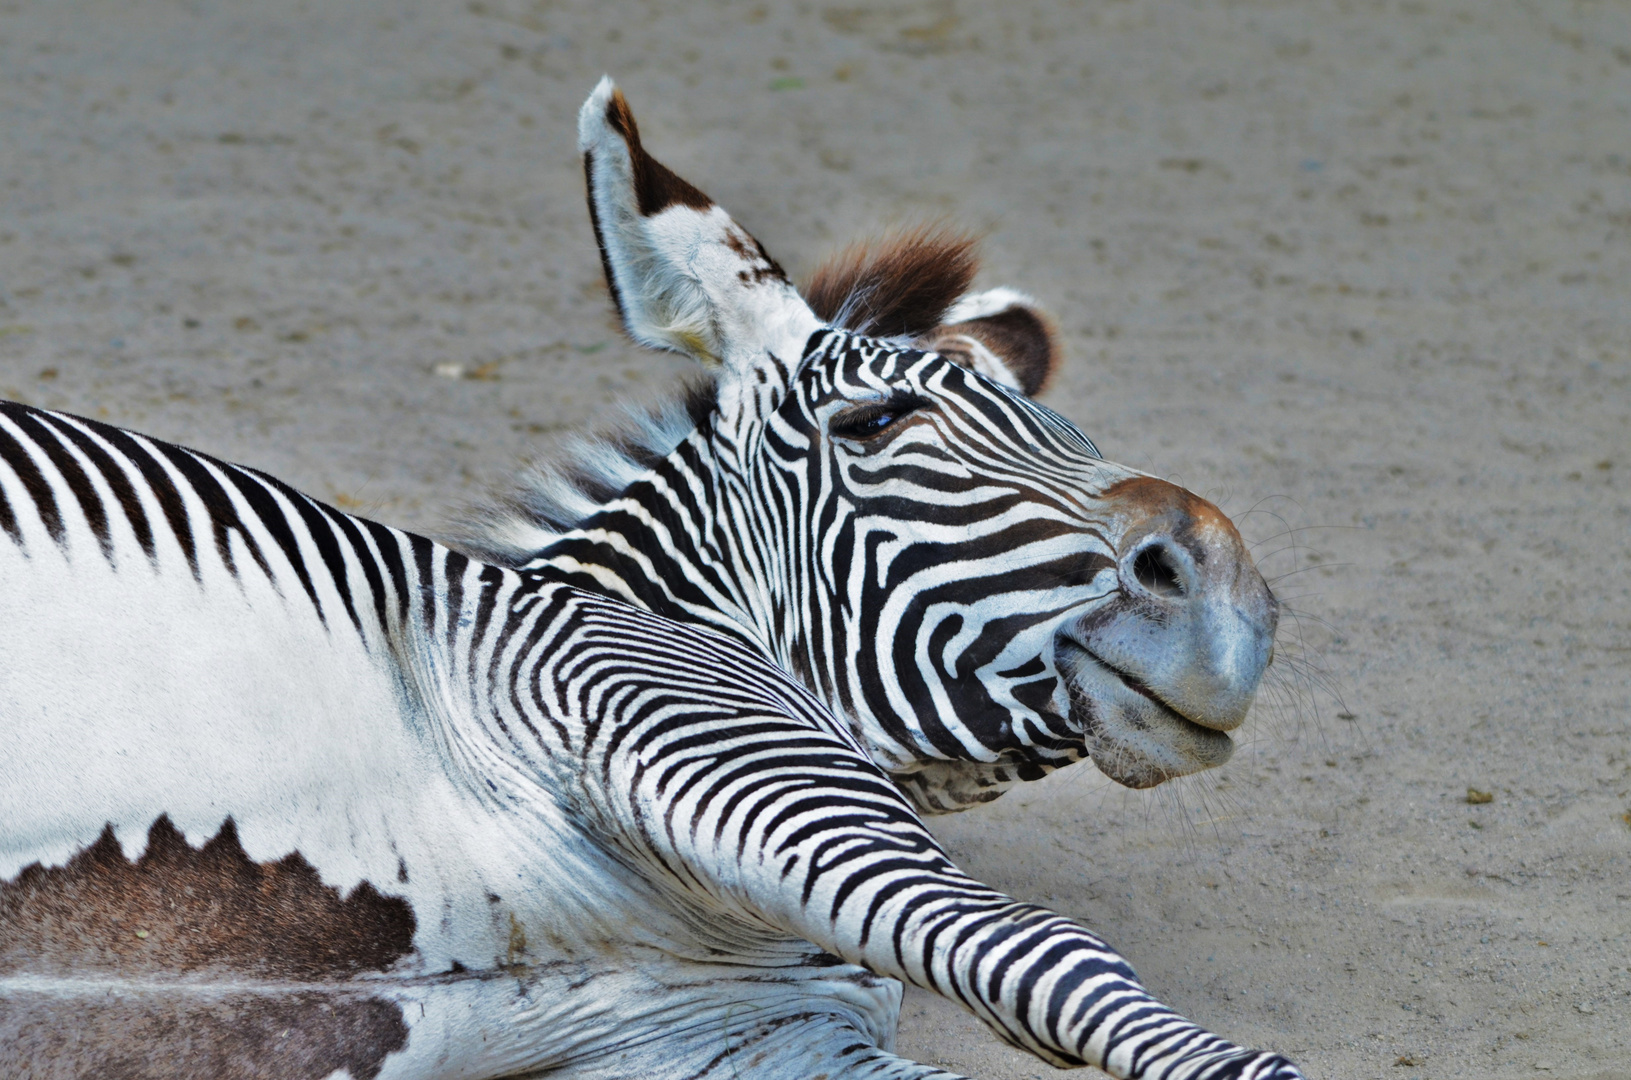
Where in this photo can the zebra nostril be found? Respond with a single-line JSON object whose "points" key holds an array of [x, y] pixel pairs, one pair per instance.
{"points": [[1154, 570]]}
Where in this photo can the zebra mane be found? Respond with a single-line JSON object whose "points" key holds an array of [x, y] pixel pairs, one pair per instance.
{"points": [[555, 492], [899, 287]]}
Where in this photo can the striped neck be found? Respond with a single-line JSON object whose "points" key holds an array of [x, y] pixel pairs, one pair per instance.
{"points": [[683, 542]]}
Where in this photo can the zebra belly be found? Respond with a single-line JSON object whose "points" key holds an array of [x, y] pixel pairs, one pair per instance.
{"points": [[651, 1017], [128, 693], [625, 1014], [235, 842], [217, 815]]}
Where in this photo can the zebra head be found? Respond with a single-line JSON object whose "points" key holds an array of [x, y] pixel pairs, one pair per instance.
{"points": [[869, 494]]}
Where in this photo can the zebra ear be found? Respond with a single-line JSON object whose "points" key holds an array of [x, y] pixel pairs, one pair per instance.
{"points": [[1003, 335], [684, 275]]}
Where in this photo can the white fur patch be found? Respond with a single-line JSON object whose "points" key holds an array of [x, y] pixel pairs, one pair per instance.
{"points": [[982, 305]]}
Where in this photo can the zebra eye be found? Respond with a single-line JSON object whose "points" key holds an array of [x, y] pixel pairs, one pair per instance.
{"points": [[867, 421]]}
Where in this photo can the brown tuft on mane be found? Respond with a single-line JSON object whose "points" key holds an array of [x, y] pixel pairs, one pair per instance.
{"points": [[899, 286], [655, 187]]}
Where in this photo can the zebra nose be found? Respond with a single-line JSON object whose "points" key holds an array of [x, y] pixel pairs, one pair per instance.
{"points": [[1159, 569], [1199, 628]]}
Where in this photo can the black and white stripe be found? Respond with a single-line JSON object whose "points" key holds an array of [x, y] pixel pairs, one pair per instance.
{"points": [[652, 762], [727, 785], [915, 582]]}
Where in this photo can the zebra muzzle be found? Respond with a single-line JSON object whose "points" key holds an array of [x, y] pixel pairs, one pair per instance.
{"points": [[1161, 673], [1132, 736]]}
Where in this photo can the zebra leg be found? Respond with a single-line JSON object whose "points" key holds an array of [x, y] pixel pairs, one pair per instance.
{"points": [[886, 897], [781, 820], [740, 1047], [882, 894], [743, 800]]}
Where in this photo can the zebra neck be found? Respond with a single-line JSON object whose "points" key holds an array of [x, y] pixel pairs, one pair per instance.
{"points": [[663, 547], [635, 568]]}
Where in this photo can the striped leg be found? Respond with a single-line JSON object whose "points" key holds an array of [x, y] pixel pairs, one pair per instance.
{"points": [[1043, 982], [747, 795], [740, 1048]]}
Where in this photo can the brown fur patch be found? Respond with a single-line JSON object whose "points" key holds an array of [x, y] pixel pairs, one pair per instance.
{"points": [[178, 911], [1152, 497], [899, 286], [182, 1034], [1021, 338], [655, 187], [750, 251]]}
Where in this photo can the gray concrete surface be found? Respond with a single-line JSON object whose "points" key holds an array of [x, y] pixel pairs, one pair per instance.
{"points": [[1356, 270]]}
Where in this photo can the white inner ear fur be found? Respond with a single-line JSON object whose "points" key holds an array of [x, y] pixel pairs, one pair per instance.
{"points": [[667, 298], [983, 304], [662, 308], [691, 279], [698, 258]]}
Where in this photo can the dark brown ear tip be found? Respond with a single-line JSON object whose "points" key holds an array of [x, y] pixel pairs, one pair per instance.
{"points": [[1024, 338], [656, 188], [1052, 353], [620, 118]]}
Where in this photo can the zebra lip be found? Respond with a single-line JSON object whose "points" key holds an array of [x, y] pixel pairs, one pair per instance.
{"points": [[1139, 686], [1131, 682], [1144, 740]]}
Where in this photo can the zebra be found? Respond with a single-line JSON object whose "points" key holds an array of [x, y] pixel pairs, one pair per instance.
{"points": [[865, 491], [287, 792]]}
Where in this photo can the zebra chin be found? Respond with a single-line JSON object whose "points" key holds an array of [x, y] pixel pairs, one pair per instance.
{"points": [[1132, 737]]}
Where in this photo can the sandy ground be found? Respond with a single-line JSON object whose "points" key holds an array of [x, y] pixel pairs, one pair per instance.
{"points": [[1356, 270]]}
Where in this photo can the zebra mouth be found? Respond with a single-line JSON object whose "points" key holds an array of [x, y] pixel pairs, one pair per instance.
{"points": [[1133, 736]]}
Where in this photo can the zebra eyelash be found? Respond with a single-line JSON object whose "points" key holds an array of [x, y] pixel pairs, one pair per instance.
{"points": [[873, 418]]}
